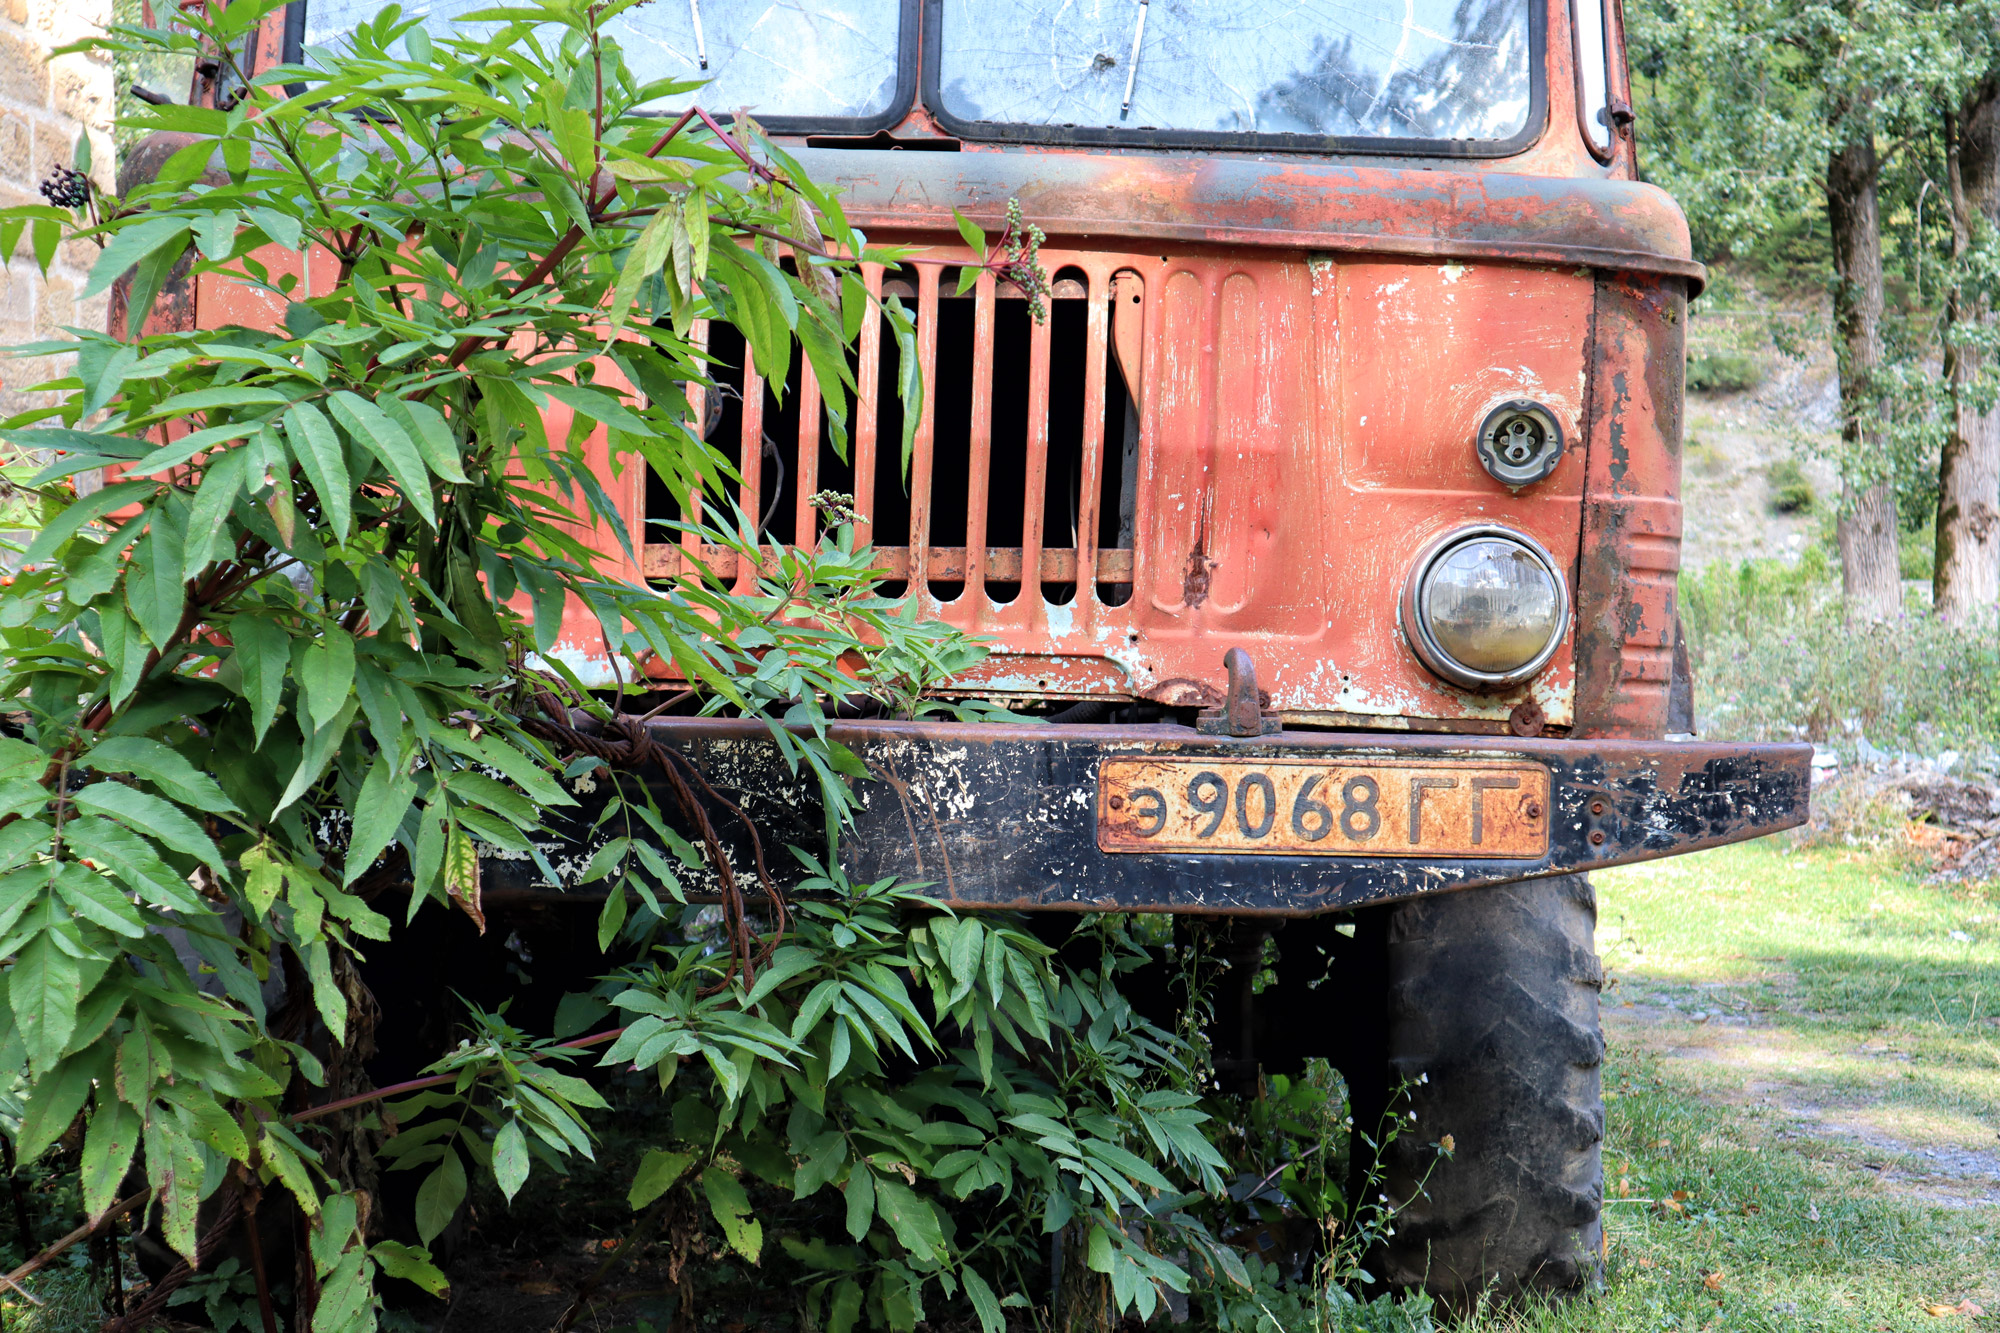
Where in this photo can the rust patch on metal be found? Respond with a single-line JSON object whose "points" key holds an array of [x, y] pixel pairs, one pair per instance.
{"points": [[1198, 579], [1317, 808]]}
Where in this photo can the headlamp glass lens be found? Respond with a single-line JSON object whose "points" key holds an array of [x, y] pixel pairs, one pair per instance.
{"points": [[1491, 605]]}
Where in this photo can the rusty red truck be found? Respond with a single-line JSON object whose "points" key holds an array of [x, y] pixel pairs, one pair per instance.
{"points": [[1327, 519]]}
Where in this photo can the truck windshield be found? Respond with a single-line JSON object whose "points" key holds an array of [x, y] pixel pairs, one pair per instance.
{"points": [[830, 60], [1388, 69]]}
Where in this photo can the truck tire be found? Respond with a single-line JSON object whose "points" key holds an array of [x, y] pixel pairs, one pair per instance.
{"points": [[1493, 1019]]}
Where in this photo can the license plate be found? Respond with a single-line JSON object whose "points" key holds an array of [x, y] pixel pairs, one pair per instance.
{"points": [[1310, 807]]}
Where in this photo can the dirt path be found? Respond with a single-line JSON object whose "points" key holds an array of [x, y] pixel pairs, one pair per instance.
{"points": [[1859, 1104]]}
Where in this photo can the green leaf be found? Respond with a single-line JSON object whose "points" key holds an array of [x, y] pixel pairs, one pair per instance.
{"points": [[215, 234], [971, 232], [860, 1200], [132, 859], [378, 811], [432, 433], [376, 432], [1098, 1252], [320, 748], [95, 898], [133, 242], [86, 509], [167, 769], [510, 1158], [263, 653], [913, 1219], [316, 445], [984, 1303], [346, 1298], [644, 259], [108, 1146], [124, 651], [174, 1168], [147, 280], [326, 674], [54, 1099], [44, 989], [659, 1172], [148, 814], [439, 1196], [328, 997], [155, 584], [730, 1206], [844, 1311], [407, 1262], [208, 518]]}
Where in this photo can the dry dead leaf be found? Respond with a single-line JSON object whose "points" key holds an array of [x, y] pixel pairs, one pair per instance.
{"points": [[538, 1289], [1713, 1281], [1939, 1310]]}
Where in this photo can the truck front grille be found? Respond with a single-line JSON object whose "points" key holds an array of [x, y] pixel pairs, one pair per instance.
{"points": [[1021, 480]]}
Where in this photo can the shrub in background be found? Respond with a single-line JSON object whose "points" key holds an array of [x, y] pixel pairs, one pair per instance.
{"points": [[1775, 659]]}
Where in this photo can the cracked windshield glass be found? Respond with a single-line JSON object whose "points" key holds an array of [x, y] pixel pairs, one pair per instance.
{"points": [[819, 60], [1392, 69]]}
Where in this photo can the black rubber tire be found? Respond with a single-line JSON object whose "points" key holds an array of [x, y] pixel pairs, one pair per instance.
{"points": [[1493, 1014]]}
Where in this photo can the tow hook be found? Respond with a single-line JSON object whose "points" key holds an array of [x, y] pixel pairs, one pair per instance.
{"points": [[1242, 712]]}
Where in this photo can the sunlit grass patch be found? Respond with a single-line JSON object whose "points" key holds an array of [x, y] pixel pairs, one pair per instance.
{"points": [[1802, 1096]]}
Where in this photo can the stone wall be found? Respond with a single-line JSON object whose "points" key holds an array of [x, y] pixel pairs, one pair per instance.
{"points": [[43, 107]]}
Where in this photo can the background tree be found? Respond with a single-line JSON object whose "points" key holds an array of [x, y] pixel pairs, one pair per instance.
{"points": [[1796, 133]]}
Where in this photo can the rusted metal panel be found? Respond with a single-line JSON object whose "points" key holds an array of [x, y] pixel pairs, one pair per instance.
{"points": [[1629, 553], [1303, 807], [1009, 815], [1441, 211], [1307, 425]]}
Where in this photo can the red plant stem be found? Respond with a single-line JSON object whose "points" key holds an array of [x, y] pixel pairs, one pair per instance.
{"points": [[84, 1232], [434, 1080]]}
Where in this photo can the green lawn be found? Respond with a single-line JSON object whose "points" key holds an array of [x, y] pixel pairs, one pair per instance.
{"points": [[1803, 1094]]}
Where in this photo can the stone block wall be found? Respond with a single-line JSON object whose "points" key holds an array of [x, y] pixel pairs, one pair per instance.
{"points": [[44, 106]]}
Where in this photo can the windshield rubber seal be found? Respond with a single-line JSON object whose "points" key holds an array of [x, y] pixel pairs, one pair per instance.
{"points": [[1099, 136], [898, 110]]}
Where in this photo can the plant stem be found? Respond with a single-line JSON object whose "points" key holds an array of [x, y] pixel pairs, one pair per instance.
{"points": [[434, 1080], [82, 1233]]}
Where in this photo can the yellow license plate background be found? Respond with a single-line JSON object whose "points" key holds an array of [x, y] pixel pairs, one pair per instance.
{"points": [[1305, 807]]}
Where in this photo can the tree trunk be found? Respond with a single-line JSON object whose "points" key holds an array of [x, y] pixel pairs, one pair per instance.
{"points": [[1869, 577], [1966, 583]]}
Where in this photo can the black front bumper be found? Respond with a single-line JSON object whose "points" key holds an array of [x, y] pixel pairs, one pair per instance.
{"points": [[1006, 816]]}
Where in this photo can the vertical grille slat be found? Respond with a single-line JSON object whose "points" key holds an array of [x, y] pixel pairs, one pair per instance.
{"points": [[1091, 483], [1036, 471], [979, 460], [867, 378], [805, 465], [922, 458], [751, 463]]}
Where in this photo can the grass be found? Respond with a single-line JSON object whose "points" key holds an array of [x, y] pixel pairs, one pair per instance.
{"points": [[1802, 1095]]}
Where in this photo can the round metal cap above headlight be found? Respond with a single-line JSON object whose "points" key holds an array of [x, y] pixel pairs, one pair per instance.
{"points": [[1485, 607]]}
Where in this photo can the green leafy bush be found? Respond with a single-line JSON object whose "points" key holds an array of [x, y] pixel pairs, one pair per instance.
{"points": [[1774, 659], [1723, 372], [1790, 491]]}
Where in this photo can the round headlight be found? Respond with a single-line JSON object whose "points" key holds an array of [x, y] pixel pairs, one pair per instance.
{"points": [[1485, 607]]}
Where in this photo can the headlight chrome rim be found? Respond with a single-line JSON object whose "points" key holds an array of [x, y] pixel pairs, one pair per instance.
{"points": [[1417, 631]]}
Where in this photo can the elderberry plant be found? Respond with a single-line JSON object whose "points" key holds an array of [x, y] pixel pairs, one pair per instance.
{"points": [[300, 661]]}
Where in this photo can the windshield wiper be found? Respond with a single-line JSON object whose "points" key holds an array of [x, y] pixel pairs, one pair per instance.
{"points": [[1132, 63]]}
